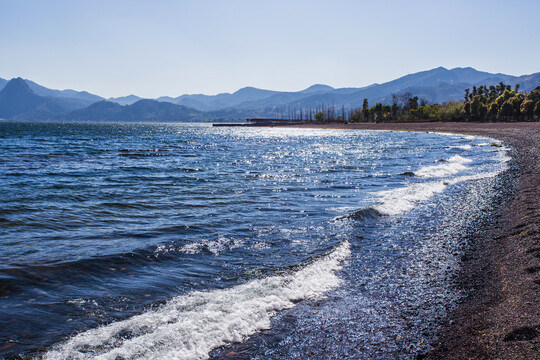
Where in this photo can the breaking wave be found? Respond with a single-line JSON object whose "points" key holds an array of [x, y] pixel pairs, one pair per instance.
{"points": [[449, 167], [369, 213], [190, 326], [397, 201]]}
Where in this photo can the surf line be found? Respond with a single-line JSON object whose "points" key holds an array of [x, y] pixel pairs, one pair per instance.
{"points": [[190, 326]]}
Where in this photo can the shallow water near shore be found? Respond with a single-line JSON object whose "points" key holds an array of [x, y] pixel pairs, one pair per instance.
{"points": [[186, 241]]}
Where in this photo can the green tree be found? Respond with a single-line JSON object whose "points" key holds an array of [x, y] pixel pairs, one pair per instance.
{"points": [[505, 96], [395, 109], [476, 104], [492, 93], [481, 91], [319, 117], [387, 111], [365, 110], [501, 88], [467, 110], [378, 110], [493, 110], [537, 110], [527, 109], [356, 116], [482, 112], [506, 111], [413, 103], [516, 101]]}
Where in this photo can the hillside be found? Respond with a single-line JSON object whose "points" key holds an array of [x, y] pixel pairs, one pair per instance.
{"points": [[16, 98], [436, 85], [74, 99], [142, 110]]}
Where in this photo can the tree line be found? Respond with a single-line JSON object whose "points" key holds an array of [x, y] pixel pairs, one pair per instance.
{"points": [[483, 103], [501, 103]]}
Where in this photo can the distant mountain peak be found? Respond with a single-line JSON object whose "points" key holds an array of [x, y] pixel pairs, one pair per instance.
{"points": [[130, 96], [247, 90], [317, 88], [125, 100], [19, 85], [17, 98]]}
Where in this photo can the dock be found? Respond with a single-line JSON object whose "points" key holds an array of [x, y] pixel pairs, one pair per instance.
{"points": [[262, 122]]}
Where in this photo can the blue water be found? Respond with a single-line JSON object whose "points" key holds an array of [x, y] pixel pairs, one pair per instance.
{"points": [[131, 241]]}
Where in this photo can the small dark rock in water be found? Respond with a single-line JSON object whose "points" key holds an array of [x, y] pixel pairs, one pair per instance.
{"points": [[524, 333]]}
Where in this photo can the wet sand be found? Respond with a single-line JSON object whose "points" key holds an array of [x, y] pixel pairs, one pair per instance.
{"points": [[500, 316]]}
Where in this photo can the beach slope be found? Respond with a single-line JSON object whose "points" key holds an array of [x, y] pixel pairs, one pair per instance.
{"points": [[500, 315]]}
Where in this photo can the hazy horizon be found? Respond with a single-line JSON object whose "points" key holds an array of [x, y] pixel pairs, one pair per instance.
{"points": [[169, 49]]}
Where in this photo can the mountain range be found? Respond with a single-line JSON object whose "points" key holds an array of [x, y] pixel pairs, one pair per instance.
{"points": [[25, 100]]}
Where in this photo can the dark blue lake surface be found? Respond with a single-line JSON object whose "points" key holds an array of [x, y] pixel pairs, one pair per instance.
{"points": [[128, 241]]}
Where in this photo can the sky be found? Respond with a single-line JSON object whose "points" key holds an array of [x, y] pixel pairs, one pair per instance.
{"points": [[167, 48]]}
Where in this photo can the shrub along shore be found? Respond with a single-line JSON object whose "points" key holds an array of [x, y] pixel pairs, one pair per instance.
{"points": [[500, 317]]}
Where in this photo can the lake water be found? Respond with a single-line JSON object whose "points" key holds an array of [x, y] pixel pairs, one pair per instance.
{"points": [[186, 241]]}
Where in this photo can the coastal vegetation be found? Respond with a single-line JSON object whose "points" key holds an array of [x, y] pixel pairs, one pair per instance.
{"points": [[481, 104]]}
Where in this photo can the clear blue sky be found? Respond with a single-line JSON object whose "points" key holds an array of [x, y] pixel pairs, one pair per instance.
{"points": [[158, 47]]}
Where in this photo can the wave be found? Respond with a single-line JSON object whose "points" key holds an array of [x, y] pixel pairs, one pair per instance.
{"points": [[214, 247], [461, 147], [397, 201], [143, 152], [450, 166], [190, 326], [369, 213], [400, 200]]}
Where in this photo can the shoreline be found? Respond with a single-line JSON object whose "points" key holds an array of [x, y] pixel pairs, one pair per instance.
{"points": [[500, 316]]}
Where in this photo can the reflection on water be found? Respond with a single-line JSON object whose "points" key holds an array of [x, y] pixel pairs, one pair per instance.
{"points": [[152, 240]]}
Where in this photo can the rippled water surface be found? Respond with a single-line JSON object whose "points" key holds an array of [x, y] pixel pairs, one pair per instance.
{"points": [[131, 241]]}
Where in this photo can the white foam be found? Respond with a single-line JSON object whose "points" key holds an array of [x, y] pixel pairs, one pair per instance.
{"points": [[451, 166], [502, 154], [397, 201], [216, 247], [462, 147], [190, 326]]}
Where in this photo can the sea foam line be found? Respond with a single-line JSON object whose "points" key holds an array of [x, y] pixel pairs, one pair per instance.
{"points": [[400, 200], [451, 166], [190, 326], [397, 201]]}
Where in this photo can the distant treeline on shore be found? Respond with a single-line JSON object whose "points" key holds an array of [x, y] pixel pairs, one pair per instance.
{"points": [[483, 103]]}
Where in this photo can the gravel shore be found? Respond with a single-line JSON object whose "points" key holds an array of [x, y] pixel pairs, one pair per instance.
{"points": [[500, 317]]}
